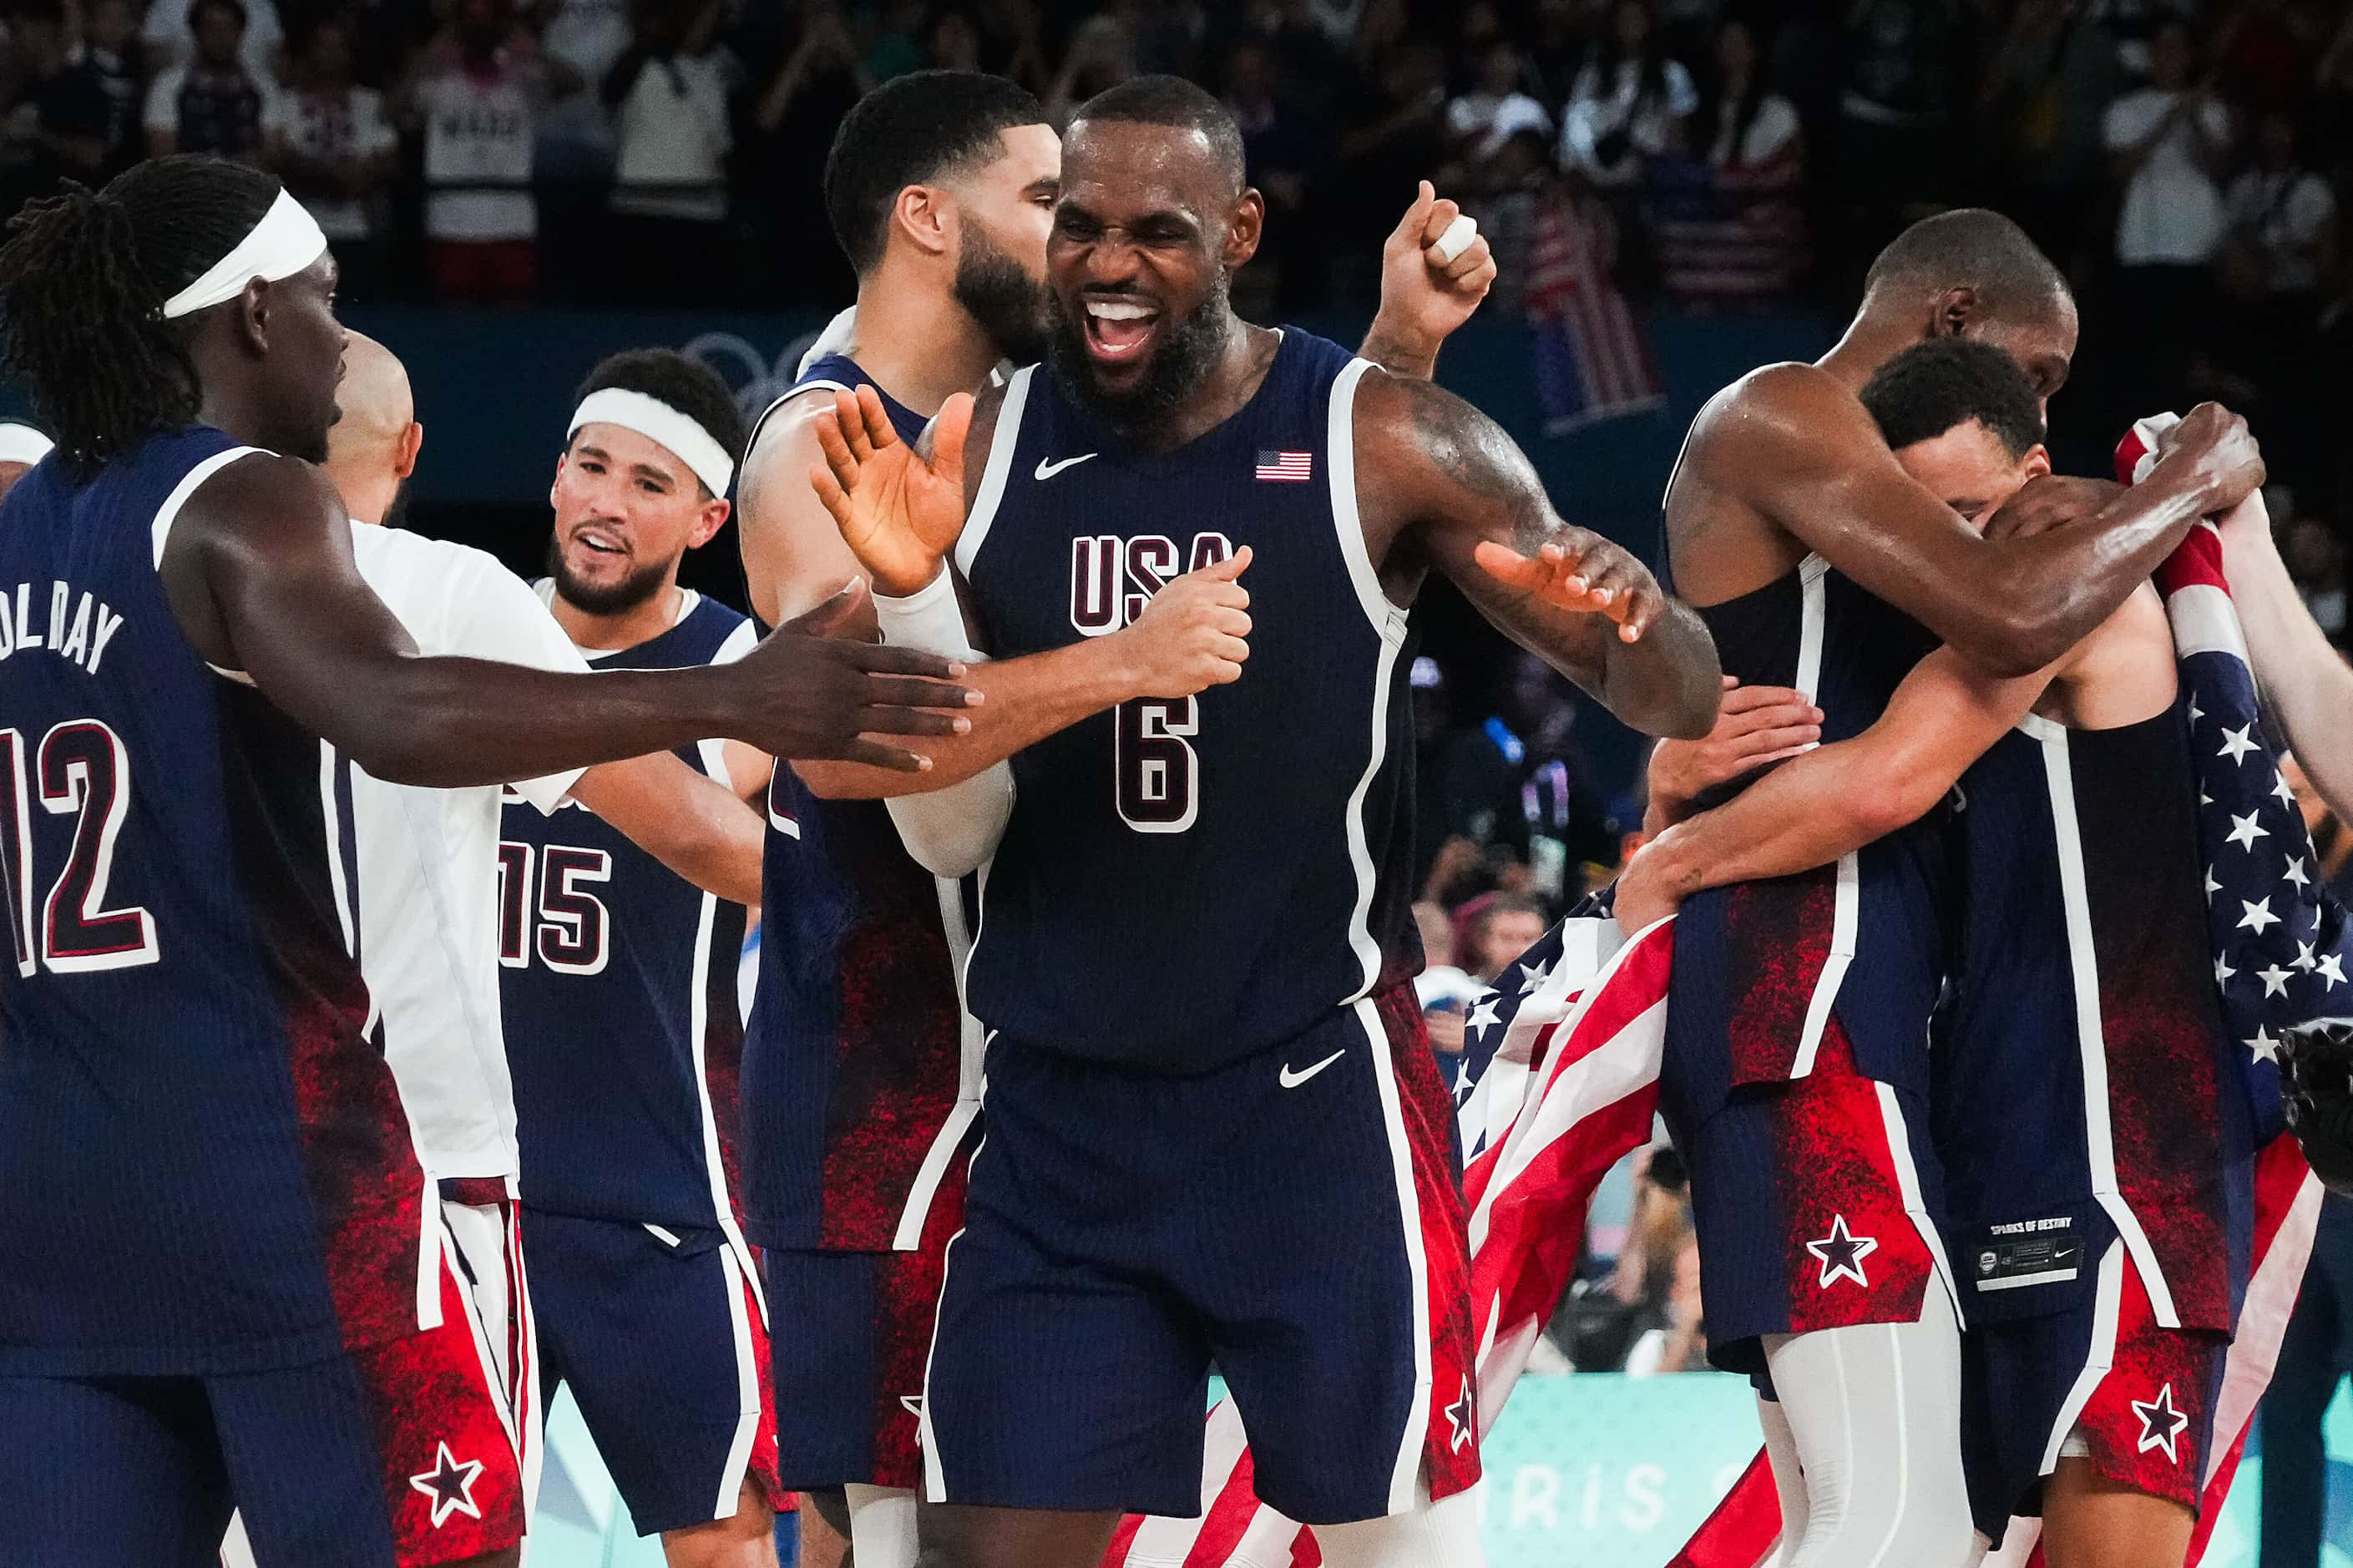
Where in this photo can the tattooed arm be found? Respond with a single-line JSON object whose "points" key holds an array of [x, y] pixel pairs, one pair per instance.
{"points": [[1441, 486]]}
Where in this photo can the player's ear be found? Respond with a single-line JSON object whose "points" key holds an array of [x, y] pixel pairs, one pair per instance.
{"points": [[1957, 312], [404, 457], [2037, 461], [923, 214], [251, 316], [1244, 224], [707, 522]]}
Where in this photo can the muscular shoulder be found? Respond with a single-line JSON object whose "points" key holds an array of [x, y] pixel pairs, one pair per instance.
{"points": [[2124, 672], [1406, 427], [784, 446], [258, 503], [1777, 412]]}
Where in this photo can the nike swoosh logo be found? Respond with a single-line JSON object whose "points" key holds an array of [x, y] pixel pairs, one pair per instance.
{"points": [[1046, 470], [1289, 1080]]}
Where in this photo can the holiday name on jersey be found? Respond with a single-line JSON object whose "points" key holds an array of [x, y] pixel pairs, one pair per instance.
{"points": [[78, 630]]}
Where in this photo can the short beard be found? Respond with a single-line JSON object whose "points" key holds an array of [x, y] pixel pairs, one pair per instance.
{"points": [[997, 292], [605, 599], [1189, 352]]}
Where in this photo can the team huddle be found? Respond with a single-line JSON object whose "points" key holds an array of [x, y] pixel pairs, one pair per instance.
{"points": [[373, 1063]]}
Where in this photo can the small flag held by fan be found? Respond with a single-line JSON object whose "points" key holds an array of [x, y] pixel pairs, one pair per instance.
{"points": [[1292, 467]]}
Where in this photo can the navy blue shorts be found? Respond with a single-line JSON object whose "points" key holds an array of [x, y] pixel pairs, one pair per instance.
{"points": [[402, 1454], [663, 1336], [2097, 1378], [850, 1372], [1294, 1219]]}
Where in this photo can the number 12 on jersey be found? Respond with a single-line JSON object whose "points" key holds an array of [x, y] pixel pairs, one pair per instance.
{"points": [[83, 771], [1158, 776]]}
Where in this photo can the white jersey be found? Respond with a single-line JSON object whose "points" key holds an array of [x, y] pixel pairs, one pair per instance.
{"points": [[429, 862]]}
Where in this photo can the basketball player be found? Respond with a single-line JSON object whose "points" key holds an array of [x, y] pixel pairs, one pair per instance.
{"points": [[863, 1072], [221, 1283], [621, 1014], [1795, 1077], [2094, 1136], [21, 446], [1215, 1129]]}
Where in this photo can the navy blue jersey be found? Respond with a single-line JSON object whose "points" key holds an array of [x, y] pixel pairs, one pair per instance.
{"points": [[2086, 1085], [1763, 968], [862, 1073], [1186, 883], [617, 983], [203, 1165]]}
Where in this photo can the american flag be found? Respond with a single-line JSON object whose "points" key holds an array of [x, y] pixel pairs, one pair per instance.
{"points": [[1591, 361], [1290, 468], [1559, 1080]]}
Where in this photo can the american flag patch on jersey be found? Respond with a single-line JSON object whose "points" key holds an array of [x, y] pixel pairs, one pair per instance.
{"points": [[1290, 467]]}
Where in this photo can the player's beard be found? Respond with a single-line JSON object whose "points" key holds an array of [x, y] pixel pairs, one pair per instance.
{"points": [[605, 598], [1009, 304], [1181, 362]]}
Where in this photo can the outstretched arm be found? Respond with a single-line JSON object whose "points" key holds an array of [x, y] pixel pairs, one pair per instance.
{"points": [[258, 572], [2305, 678], [1443, 484], [1837, 798], [1800, 448], [693, 824]]}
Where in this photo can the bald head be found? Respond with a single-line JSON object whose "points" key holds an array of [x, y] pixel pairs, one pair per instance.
{"points": [[373, 447]]}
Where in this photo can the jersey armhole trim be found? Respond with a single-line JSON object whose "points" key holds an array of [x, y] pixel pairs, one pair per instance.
{"points": [[1340, 459], [1002, 440], [761, 424], [160, 530]]}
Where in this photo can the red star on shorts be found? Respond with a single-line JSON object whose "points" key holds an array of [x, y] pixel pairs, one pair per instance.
{"points": [[450, 1484], [1841, 1254], [2161, 1425]]}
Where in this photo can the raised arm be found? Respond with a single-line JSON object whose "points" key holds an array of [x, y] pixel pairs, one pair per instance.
{"points": [[1800, 449], [1443, 487], [258, 571], [1425, 293], [2305, 678], [1837, 798]]}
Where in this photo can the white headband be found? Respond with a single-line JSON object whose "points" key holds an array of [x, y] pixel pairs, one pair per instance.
{"points": [[283, 243], [22, 443], [658, 421]]}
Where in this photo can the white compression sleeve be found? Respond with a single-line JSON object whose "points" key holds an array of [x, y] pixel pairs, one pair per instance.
{"points": [[882, 1526], [1875, 1412], [1443, 1534], [1789, 1477], [948, 831]]}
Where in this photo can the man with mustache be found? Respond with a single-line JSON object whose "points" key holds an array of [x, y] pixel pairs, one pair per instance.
{"points": [[1215, 1128]]}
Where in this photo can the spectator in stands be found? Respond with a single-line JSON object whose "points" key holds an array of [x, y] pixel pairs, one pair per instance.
{"points": [[668, 93], [1102, 55], [88, 117], [1277, 151], [216, 103], [1389, 139], [1729, 222], [36, 67], [1492, 931], [1445, 990], [332, 144], [476, 95], [955, 43], [1012, 43], [1899, 101], [2315, 559], [2041, 103], [1630, 101], [2166, 143], [780, 172], [1651, 1296], [170, 32], [1478, 123], [2287, 213]]}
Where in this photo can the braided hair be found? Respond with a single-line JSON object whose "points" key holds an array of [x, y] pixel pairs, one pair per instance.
{"points": [[83, 278]]}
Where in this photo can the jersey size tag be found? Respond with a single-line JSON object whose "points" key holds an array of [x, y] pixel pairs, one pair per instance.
{"points": [[2014, 1255]]}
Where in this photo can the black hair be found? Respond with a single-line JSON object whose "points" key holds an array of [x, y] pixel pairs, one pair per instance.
{"points": [[1605, 58], [233, 7], [1934, 386], [667, 377], [83, 278], [912, 130], [1171, 101], [1974, 247]]}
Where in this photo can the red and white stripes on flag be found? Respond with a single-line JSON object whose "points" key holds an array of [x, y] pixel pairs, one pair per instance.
{"points": [[1290, 468], [1559, 1087]]}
